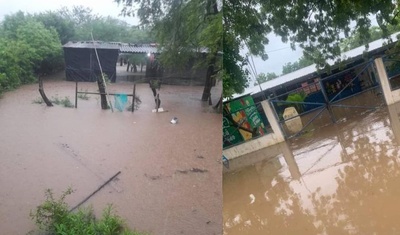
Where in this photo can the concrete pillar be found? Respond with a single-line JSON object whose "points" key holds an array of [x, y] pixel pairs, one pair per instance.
{"points": [[290, 161], [384, 81], [394, 114], [273, 121]]}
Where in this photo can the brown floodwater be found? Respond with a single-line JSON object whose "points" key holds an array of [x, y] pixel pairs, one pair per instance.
{"points": [[340, 179], [157, 191]]}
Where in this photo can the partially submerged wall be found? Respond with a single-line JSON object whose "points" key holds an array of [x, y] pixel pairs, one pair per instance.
{"points": [[259, 143]]}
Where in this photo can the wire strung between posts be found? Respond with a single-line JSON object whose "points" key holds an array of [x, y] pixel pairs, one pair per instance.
{"points": [[101, 71], [98, 189], [254, 71]]}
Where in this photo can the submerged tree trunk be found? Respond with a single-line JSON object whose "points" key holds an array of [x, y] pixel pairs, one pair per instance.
{"points": [[41, 91], [209, 80], [211, 9], [218, 106], [102, 90]]}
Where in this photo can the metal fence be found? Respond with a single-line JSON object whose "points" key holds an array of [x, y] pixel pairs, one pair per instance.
{"points": [[326, 99]]}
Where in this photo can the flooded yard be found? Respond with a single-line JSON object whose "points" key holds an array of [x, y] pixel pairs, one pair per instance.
{"points": [[341, 179], [170, 181]]}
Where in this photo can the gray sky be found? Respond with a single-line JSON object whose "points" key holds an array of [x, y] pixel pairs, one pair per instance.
{"points": [[101, 7], [279, 54]]}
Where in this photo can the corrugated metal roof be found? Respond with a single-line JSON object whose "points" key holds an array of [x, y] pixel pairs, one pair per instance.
{"points": [[122, 47], [90, 44], [138, 48], [310, 70]]}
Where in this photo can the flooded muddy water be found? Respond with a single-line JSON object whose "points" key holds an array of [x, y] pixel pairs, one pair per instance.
{"points": [[341, 179], [170, 181]]}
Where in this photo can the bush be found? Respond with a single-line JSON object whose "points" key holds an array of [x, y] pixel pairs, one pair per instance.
{"points": [[83, 96], [66, 102], [53, 217]]}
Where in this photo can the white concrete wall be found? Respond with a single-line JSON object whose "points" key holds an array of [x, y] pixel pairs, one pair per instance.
{"points": [[251, 146], [391, 97], [261, 142]]}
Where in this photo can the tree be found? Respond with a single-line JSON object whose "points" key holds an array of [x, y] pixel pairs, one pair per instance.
{"points": [[183, 29], [261, 78], [27, 49], [317, 26], [64, 26], [356, 39], [301, 63], [44, 54], [346, 44]]}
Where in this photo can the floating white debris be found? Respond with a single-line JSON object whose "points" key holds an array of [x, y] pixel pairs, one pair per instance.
{"points": [[252, 198], [160, 110], [174, 120]]}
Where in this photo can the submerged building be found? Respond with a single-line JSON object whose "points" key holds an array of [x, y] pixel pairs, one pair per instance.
{"points": [[291, 104]]}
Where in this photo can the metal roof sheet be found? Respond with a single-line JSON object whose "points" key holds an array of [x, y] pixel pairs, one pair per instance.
{"points": [[138, 48], [310, 70], [122, 47], [91, 45]]}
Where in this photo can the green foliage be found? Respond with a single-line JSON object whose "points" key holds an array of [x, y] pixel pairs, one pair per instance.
{"points": [[297, 97], [316, 26], [51, 210], [27, 49], [65, 102], [183, 29], [55, 20], [262, 77], [83, 96], [107, 29], [235, 77], [357, 39], [38, 100], [301, 63], [45, 53], [53, 217]]}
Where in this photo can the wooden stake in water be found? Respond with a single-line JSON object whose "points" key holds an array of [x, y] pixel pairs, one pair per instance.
{"points": [[101, 71]]}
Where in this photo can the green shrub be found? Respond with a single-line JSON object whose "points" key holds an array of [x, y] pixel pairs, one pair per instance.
{"points": [[297, 97], [67, 103], [53, 217], [83, 96], [64, 101], [38, 100]]}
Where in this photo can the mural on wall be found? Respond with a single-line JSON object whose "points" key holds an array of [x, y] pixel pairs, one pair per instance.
{"points": [[243, 113]]}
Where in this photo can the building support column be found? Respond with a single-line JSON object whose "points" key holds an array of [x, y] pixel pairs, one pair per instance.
{"points": [[290, 161], [384, 81], [273, 121]]}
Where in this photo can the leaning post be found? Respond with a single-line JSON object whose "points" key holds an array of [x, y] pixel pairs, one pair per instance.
{"points": [[76, 94]]}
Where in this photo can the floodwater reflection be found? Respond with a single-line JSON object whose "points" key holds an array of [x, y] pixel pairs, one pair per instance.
{"points": [[341, 179]]}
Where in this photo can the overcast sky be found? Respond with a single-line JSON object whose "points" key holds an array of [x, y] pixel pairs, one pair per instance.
{"points": [[101, 7], [278, 52]]}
